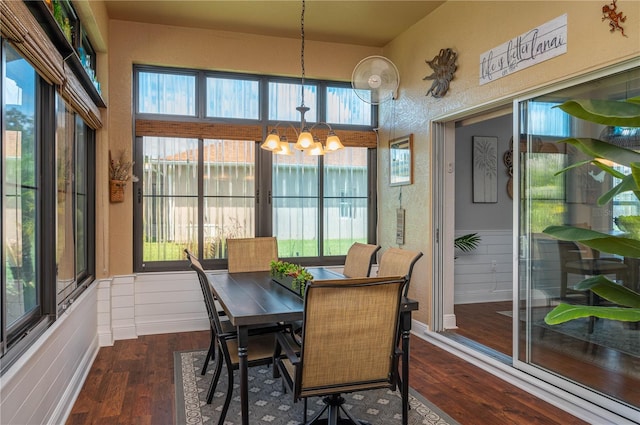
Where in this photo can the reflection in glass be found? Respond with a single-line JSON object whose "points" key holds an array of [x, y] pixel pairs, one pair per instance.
{"points": [[20, 188], [601, 355]]}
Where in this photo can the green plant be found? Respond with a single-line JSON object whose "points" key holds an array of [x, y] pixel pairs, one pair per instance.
{"points": [[300, 276], [611, 113], [466, 243]]}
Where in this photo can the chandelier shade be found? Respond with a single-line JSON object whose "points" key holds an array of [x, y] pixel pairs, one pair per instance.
{"points": [[305, 140]]}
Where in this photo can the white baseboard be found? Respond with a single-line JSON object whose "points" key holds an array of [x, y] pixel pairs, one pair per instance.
{"points": [[449, 321], [172, 326], [63, 409], [124, 332]]}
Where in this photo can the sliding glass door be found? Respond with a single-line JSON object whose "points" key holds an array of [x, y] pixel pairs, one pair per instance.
{"points": [[594, 358]]}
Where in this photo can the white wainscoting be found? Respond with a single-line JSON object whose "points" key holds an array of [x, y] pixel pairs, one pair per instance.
{"points": [[476, 278], [150, 303], [41, 387]]}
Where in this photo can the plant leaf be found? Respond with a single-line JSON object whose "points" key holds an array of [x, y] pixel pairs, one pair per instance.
{"points": [[566, 312], [627, 247], [628, 184], [607, 112], [599, 149], [610, 291], [467, 243]]}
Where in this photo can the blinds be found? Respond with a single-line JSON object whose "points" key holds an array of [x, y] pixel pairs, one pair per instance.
{"points": [[351, 138], [18, 25]]}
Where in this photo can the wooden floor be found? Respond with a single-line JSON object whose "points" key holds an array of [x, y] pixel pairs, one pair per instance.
{"points": [[132, 383]]}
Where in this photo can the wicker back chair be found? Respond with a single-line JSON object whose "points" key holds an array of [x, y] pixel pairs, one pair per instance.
{"points": [[348, 342], [398, 262], [359, 259], [251, 254]]}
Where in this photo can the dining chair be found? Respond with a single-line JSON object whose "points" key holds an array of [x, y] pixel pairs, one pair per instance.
{"points": [[251, 254], [214, 308], [359, 259], [262, 344], [398, 262], [573, 262], [348, 343]]}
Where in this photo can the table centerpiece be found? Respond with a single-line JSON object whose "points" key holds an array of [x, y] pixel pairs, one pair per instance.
{"points": [[291, 276]]}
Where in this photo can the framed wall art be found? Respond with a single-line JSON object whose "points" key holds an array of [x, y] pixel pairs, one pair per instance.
{"points": [[485, 169], [401, 161]]}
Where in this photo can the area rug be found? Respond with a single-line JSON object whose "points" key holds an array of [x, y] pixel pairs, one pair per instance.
{"points": [[269, 405]]}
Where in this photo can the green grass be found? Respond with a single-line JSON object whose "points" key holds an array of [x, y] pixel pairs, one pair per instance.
{"points": [[172, 251]]}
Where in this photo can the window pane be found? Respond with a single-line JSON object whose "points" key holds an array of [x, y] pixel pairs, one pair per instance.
{"points": [[284, 98], [229, 193], [81, 176], [344, 107], [232, 98], [295, 204], [65, 243], [19, 202], [170, 201], [170, 94], [551, 268], [345, 200]]}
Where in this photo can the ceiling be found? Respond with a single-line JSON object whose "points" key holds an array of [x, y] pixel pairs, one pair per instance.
{"points": [[362, 22]]}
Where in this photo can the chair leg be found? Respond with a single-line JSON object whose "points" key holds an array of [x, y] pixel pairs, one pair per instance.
{"points": [[214, 380], [211, 354], [227, 399]]}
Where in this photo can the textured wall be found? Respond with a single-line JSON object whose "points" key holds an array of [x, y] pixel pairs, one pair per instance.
{"points": [[471, 28]]}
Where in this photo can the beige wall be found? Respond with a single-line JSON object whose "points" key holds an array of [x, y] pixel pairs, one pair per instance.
{"points": [[471, 28]]}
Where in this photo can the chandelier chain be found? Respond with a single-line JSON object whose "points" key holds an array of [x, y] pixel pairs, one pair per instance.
{"points": [[302, 50]]}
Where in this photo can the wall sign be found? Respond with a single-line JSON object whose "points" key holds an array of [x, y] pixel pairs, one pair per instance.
{"points": [[538, 45]]}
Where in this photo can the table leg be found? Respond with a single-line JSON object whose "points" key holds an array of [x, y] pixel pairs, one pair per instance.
{"points": [[405, 318], [243, 342]]}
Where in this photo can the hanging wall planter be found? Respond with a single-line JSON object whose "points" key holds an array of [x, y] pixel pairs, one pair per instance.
{"points": [[116, 190], [119, 174]]}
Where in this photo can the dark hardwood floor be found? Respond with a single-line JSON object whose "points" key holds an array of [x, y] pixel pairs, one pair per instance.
{"points": [[609, 371], [132, 383]]}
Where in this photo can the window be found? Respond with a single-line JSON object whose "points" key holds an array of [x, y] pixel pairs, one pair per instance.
{"points": [[216, 183], [46, 157], [545, 276]]}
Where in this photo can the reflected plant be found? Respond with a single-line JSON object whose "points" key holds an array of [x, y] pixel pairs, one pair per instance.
{"points": [[602, 154]]}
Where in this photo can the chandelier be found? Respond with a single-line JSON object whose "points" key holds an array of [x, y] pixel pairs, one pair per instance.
{"points": [[306, 141]]}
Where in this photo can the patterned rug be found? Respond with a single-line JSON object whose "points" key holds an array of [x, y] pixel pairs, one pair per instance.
{"points": [[269, 405]]}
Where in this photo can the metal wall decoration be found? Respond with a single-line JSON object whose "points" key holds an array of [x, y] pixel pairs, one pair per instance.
{"points": [[444, 66], [485, 169], [609, 13], [507, 159]]}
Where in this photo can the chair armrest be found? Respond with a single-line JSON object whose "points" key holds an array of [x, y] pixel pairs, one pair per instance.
{"points": [[285, 344]]}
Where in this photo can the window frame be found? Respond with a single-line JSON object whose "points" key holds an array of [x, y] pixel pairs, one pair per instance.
{"points": [[263, 160], [17, 338]]}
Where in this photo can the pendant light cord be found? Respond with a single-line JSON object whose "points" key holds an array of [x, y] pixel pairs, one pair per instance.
{"points": [[302, 50]]}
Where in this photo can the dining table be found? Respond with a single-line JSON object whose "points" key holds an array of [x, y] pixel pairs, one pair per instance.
{"points": [[254, 298]]}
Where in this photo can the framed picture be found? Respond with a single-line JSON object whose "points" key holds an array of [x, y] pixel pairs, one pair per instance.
{"points": [[401, 161], [485, 169]]}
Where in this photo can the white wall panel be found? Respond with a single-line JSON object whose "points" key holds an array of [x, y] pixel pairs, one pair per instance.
{"points": [[42, 385], [486, 273]]}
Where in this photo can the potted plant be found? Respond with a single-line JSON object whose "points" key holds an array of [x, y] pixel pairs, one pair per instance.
{"points": [[119, 174], [467, 243], [291, 276], [627, 302]]}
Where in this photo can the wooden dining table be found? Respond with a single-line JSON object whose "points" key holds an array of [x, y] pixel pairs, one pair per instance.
{"points": [[255, 299]]}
